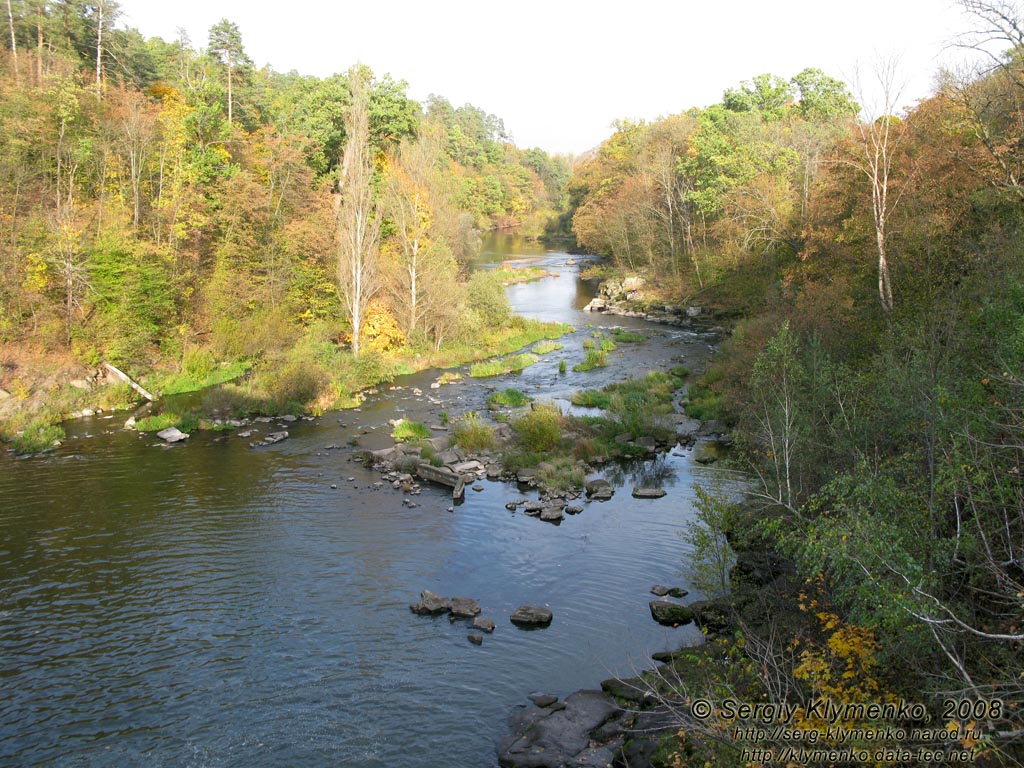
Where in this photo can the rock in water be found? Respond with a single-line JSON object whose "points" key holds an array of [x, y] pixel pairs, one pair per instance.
{"points": [[431, 604], [171, 435], [670, 614], [463, 607], [483, 624], [543, 738], [531, 616], [552, 513], [648, 493], [475, 639], [659, 590], [542, 699], [600, 489]]}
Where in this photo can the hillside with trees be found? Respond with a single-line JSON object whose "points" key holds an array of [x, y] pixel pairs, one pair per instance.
{"points": [[868, 257], [171, 209]]}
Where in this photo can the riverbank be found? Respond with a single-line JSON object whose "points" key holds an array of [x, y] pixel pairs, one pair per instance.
{"points": [[39, 390]]}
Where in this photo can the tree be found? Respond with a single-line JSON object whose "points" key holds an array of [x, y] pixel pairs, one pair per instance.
{"points": [[358, 219], [226, 46], [880, 135]]}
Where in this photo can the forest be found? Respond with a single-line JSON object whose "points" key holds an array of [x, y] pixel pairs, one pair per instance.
{"points": [[869, 255], [174, 211]]}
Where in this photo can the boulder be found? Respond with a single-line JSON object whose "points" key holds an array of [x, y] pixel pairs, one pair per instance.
{"points": [[475, 639], [542, 699], [440, 443], [670, 614], [463, 607], [711, 616], [648, 493], [573, 509], [171, 435], [526, 476], [659, 590], [634, 689], [531, 616], [552, 513], [693, 311], [440, 475], [275, 437], [550, 738], [485, 625], [599, 489], [431, 604], [384, 455]]}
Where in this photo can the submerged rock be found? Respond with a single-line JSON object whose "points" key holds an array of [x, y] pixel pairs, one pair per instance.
{"points": [[648, 493]]}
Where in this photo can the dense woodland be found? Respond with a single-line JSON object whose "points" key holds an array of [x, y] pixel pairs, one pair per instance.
{"points": [[168, 206], [872, 260]]}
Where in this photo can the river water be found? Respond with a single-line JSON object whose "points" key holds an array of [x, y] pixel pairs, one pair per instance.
{"points": [[208, 604]]}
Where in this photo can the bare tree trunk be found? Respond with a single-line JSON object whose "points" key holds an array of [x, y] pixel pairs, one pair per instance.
{"points": [[99, 50], [880, 137], [358, 220], [39, 42], [230, 97], [14, 42]]}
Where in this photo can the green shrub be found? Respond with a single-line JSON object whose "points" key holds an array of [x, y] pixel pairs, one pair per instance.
{"points": [[515, 460], [703, 403], [161, 421], [546, 346], [562, 366], [594, 359], [622, 336], [540, 429], [512, 398], [680, 372], [486, 297], [38, 436], [502, 366], [589, 344], [607, 345], [410, 430], [590, 398], [471, 433], [562, 474]]}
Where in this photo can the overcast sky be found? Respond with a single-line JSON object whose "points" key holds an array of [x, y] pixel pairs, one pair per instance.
{"points": [[559, 73]]}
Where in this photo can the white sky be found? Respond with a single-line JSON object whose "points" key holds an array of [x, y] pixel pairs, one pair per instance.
{"points": [[560, 72]]}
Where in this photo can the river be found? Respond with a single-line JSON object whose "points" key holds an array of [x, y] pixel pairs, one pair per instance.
{"points": [[208, 604]]}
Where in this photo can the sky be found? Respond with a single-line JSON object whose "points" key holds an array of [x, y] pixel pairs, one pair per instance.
{"points": [[559, 73]]}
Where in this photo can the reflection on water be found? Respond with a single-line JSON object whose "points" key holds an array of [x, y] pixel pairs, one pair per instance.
{"points": [[209, 604]]}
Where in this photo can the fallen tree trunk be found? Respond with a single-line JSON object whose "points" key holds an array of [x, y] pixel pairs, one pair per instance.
{"points": [[128, 380]]}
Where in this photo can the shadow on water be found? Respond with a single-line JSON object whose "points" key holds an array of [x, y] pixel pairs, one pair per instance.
{"points": [[213, 604]]}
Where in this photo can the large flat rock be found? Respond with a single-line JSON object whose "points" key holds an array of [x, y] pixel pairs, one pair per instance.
{"points": [[543, 738]]}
